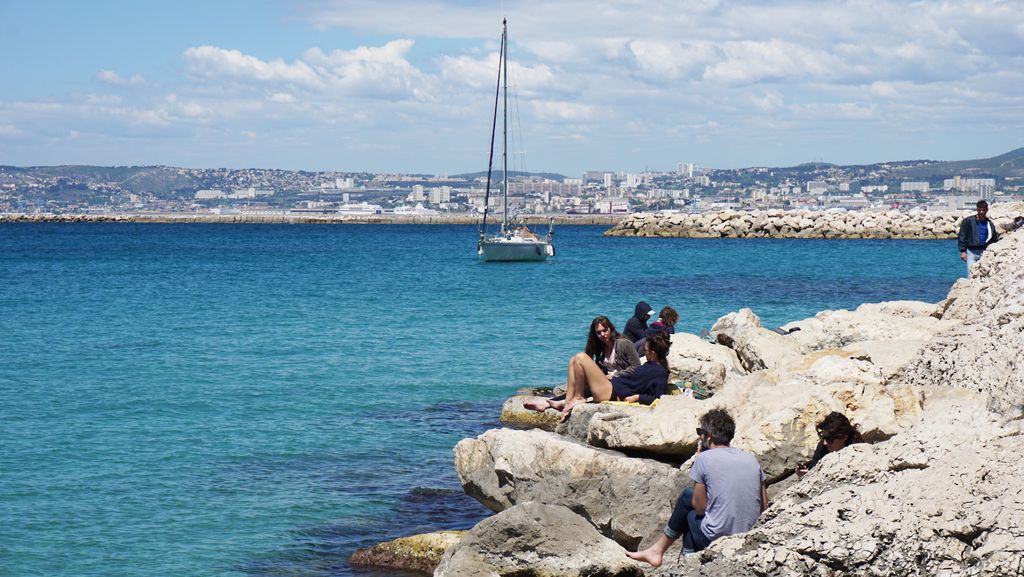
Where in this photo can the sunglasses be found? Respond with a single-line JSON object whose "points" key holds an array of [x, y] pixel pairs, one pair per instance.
{"points": [[701, 432]]}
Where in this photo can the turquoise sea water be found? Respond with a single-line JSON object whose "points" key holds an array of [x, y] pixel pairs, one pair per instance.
{"points": [[261, 400]]}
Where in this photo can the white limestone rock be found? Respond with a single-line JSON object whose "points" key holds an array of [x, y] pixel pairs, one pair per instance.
{"points": [[534, 539], [695, 360], [980, 347], [623, 497], [755, 346]]}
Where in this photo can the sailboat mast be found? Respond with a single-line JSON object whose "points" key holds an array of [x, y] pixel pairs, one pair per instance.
{"points": [[504, 127]]}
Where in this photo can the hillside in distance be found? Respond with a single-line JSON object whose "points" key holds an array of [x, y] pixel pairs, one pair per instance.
{"points": [[1010, 164], [496, 175]]}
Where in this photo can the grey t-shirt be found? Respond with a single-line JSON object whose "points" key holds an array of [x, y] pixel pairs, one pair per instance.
{"points": [[733, 479]]}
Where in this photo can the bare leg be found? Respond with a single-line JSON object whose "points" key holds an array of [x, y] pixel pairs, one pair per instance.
{"points": [[654, 553], [584, 373]]}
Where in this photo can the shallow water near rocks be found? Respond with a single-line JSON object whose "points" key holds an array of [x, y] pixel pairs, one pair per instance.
{"points": [[261, 400]]}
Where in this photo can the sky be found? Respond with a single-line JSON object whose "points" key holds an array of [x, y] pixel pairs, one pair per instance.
{"points": [[408, 85]]}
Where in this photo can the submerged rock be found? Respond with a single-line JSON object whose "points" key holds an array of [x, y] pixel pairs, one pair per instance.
{"points": [[513, 413], [416, 553]]}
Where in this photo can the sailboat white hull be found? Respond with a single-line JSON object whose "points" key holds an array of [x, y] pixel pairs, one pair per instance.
{"points": [[515, 243], [515, 249]]}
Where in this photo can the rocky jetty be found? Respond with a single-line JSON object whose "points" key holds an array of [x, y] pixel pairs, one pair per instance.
{"points": [[936, 389], [778, 223]]}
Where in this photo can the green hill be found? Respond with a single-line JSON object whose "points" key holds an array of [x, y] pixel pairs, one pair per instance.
{"points": [[1002, 166]]}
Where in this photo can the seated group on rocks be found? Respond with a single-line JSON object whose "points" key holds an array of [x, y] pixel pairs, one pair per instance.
{"points": [[609, 369], [729, 492]]}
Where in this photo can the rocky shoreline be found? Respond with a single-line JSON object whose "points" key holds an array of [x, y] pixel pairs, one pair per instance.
{"points": [[936, 388], [192, 218], [893, 224]]}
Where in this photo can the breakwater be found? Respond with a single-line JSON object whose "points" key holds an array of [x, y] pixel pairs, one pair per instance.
{"points": [[285, 218], [893, 224]]}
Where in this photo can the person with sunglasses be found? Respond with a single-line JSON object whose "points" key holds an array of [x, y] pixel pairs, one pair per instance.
{"points": [[728, 496], [835, 432]]}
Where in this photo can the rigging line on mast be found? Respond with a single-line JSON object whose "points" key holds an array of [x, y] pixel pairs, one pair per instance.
{"points": [[494, 129]]}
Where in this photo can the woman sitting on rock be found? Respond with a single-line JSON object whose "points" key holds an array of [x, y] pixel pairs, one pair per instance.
{"points": [[666, 323], [609, 349], [835, 432], [642, 384]]}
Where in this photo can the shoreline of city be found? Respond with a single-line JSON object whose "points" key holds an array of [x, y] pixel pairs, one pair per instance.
{"points": [[286, 218]]}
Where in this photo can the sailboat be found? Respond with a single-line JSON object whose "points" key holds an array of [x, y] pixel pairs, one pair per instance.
{"points": [[512, 243]]}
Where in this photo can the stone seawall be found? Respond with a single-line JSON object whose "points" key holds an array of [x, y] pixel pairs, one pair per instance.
{"points": [[805, 224], [535, 220]]}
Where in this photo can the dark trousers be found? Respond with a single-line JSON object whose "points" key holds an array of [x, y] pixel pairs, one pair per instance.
{"points": [[685, 523]]}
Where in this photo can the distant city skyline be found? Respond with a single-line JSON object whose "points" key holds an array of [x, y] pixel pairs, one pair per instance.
{"points": [[405, 86]]}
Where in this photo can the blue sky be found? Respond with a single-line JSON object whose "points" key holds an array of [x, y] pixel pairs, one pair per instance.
{"points": [[404, 86]]}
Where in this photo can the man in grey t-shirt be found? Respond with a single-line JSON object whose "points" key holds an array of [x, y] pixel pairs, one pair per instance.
{"points": [[728, 497]]}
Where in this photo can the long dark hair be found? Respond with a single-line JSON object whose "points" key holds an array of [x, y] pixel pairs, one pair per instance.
{"points": [[595, 347], [660, 344], [836, 425]]}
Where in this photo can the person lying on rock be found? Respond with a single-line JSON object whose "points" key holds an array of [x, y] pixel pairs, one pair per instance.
{"points": [[835, 432], [666, 323], [728, 497], [640, 384]]}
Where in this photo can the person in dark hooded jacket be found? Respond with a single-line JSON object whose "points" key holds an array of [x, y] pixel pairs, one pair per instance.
{"points": [[636, 326]]}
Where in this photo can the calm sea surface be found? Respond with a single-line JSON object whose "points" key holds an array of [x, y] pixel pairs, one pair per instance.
{"points": [[261, 400]]}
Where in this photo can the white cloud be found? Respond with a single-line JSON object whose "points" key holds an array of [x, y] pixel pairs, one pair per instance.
{"points": [[482, 73], [379, 71], [768, 101], [10, 131], [374, 72], [282, 98], [773, 60], [115, 79], [724, 72], [669, 60], [211, 62], [557, 110]]}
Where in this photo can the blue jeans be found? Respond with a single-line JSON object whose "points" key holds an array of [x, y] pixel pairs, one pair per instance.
{"points": [[686, 523], [972, 257]]}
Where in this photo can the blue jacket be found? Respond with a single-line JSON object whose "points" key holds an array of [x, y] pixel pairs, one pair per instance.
{"points": [[649, 380], [969, 238]]}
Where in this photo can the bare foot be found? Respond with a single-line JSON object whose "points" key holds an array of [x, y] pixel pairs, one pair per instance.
{"points": [[649, 555], [538, 405], [568, 404]]}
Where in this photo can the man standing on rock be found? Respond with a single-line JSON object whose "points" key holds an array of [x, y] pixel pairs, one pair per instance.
{"points": [[976, 233], [728, 497]]}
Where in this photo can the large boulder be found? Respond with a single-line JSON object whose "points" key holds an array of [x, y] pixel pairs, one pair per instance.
{"points": [[756, 347], [536, 540], [577, 426], [897, 321], [943, 498], [625, 498], [695, 360]]}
